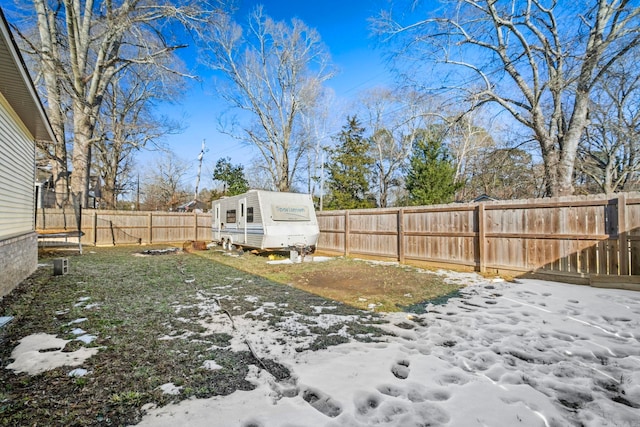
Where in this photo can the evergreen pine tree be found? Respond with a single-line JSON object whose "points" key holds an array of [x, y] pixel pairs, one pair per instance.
{"points": [[349, 169], [232, 176], [431, 176]]}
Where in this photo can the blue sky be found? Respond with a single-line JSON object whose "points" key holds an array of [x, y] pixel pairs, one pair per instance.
{"points": [[344, 28]]}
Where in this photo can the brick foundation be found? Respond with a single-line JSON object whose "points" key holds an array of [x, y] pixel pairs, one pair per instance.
{"points": [[18, 259]]}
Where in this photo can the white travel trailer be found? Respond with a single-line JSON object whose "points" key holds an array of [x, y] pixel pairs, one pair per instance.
{"points": [[266, 220]]}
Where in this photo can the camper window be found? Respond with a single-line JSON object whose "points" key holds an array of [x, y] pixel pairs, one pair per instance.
{"points": [[231, 216], [249, 214]]}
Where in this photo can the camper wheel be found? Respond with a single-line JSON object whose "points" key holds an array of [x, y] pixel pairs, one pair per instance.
{"points": [[231, 247]]}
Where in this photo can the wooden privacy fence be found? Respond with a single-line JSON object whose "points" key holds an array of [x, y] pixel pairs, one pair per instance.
{"points": [[590, 239], [580, 239], [105, 227]]}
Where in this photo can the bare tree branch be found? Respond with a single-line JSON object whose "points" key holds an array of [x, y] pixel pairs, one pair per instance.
{"points": [[275, 73], [539, 61]]}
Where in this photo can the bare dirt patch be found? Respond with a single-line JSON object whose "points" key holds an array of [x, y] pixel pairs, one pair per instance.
{"points": [[362, 284]]}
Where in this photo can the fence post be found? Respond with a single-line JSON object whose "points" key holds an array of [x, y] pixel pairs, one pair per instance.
{"points": [[482, 239], [623, 243], [150, 227], [401, 236], [195, 226], [346, 233], [113, 234], [95, 228]]}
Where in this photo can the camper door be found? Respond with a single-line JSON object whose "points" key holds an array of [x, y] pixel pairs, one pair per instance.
{"points": [[216, 222], [242, 218]]}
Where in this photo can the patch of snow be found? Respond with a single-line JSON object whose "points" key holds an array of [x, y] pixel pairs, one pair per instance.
{"points": [[87, 338], [327, 321], [211, 365], [531, 353], [170, 388], [320, 308], [78, 331], [75, 322], [41, 352], [460, 278], [182, 336], [148, 406], [308, 258], [92, 305], [78, 372], [383, 263]]}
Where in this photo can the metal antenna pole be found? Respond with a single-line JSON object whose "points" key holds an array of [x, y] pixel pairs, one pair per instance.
{"points": [[200, 157], [321, 180], [138, 194]]}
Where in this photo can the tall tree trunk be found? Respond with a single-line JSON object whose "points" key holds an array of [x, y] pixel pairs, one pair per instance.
{"points": [[81, 156], [57, 154], [571, 138]]}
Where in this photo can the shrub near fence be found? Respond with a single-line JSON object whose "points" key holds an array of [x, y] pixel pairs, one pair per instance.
{"points": [[106, 227], [590, 239]]}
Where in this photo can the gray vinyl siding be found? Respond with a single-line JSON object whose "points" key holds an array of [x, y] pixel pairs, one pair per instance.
{"points": [[17, 177]]}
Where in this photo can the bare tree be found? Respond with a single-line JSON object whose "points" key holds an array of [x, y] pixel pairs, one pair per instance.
{"points": [[317, 125], [610, 152], [126, 124], [538, 60], [275, 73], [163, 185], [503, 173], [82, 45], [392, 118], [465, 139], [54, 152], [259, 175]]}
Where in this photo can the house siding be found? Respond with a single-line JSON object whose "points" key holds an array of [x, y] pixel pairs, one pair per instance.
{"points": [[18, 240], [17, 177]]}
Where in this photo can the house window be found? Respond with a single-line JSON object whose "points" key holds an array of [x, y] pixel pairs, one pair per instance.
{"points": [[249, 214], [231, 216]]}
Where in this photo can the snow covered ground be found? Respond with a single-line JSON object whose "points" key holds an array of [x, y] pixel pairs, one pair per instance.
{"points": [[531, 353]]}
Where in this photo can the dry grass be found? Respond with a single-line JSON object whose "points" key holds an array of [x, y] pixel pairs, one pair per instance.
{"points": [[358, 283]]}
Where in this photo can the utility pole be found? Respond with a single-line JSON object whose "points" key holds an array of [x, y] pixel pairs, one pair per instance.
{"points": [[321, 180], [200, 157], [138, 195]]}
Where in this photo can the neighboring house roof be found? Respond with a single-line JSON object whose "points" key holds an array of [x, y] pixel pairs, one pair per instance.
{"points": [[17, 87], [193, 204], [484, 198]]}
